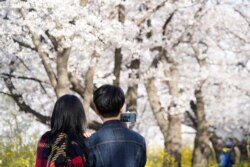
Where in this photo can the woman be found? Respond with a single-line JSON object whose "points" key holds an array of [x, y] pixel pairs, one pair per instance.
{"points": [[63, 145]]}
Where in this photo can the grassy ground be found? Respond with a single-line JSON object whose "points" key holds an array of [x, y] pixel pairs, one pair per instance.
{"points": [[155, 158], [13, 155]]}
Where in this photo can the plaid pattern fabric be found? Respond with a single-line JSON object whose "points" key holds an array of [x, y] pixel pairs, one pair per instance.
{"points": [[55, 154]]}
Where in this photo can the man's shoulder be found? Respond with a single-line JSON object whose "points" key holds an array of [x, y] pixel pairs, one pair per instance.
{"points": [[95, 138], [107, 134], [134, 134], [92, 137]]}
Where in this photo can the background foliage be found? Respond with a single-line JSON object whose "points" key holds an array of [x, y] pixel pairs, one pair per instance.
{"points": [[14, 155]]}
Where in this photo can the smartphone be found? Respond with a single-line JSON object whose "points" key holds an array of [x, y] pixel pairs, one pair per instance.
{"points": [[128, 117]]}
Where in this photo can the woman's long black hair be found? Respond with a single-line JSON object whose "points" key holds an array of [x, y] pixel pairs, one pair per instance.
{"points": [[68, 117], [66, 139]]}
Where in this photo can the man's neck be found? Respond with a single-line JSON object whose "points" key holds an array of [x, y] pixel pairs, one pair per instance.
{"points": [[111, 118]]}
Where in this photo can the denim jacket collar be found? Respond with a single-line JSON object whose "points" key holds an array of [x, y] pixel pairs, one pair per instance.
{"points": [[112, 123]]}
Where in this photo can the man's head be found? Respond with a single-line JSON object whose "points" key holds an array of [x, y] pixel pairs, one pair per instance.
{"points": [[109, 100], [229, 144]]}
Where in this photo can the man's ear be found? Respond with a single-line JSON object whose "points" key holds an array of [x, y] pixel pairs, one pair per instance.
{"points": [[97, 112], [122, 110]]}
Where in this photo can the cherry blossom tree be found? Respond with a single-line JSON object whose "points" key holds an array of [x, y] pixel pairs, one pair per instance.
{"points": [[49, 48], [61, 40], [191, 40]]}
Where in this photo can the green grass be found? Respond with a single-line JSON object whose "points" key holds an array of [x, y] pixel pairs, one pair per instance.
{"points": [[155, 158], [13, 155]]}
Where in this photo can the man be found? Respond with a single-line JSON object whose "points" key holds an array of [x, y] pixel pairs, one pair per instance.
{"points": [[226, 158], [114, 145]]}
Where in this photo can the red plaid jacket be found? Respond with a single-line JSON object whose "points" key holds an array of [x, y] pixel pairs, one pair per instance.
{"points": [[55, 154]]}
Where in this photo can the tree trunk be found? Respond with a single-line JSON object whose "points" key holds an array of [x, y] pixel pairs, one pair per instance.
{"points": [[89, 86], [158, 111], [202, 151], [174, 131], [63, 83], [118, 51], [131, 96], [243, 150], [83, 2], [217, 145], [117, 68], [173, 141], [173, 137]]}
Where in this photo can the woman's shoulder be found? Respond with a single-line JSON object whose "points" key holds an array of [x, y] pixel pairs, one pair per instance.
{"points": [[77, 152], [43, 141], [45, 136]]}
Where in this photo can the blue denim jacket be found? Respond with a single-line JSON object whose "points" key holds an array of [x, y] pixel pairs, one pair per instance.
{"points": [[226, 158], [114, 145]]}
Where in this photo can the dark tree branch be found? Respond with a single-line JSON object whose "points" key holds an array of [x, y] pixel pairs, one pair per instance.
{"points": [[150, 12], [23, 77], [183, 35], [162, 56], [24, 44], [197, 15], [167, 22], [23, 63], [21, 103], [193, 107], [26, 78], [236, 35], [6, 93], [192, 117], [52, 39], [247, 93], [204, 44], [242, 15]]}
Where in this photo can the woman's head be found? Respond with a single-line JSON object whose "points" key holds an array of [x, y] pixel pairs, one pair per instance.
{"points": [[68, 116]]}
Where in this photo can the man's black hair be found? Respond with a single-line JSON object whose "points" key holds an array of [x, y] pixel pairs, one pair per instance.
{"points": [[109, 100]]}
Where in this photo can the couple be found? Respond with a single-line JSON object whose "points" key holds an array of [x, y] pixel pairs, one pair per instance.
{"points": [[113, 145]]}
